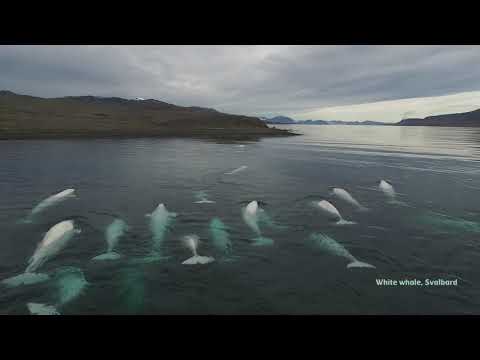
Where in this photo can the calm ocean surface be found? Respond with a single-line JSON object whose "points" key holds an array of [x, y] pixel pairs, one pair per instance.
{"points": [[434, 234]]}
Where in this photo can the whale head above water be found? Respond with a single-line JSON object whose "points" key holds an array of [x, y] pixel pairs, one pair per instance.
{"points": [[252, 208], [387, 188]]}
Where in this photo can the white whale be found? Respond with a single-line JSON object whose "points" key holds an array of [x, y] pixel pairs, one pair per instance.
{"points": [[113, 233], [345, 196], [387, 189], [70, 284], [331, 211], [241, 168], [251, 215], [51, 201], [220, 237], [327, 244], [389, 192], [191, 241], [52, 243], [160, 220]]}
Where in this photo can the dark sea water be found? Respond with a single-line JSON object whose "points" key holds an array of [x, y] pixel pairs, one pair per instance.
{"points": [[434, 234]]}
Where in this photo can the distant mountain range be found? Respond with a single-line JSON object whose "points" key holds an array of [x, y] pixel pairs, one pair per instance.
{"points": [[467, 119], [287, 120], [23, 116]]}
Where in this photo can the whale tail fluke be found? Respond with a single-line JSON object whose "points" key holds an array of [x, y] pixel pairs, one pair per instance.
{"points": [[345, 222], [197, 259], [111, 255], [204, 201], [262, 241], [359, 264], [42, 309]]}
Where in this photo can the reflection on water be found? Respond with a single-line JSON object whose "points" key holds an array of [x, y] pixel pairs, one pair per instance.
{"points": [[461, 143], [430, 231]]}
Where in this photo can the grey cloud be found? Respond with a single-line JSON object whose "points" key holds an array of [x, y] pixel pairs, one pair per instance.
{"points": [[253, 80]]}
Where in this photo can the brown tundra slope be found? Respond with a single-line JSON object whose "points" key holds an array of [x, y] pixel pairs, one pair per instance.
{"points": [[23, 116]]}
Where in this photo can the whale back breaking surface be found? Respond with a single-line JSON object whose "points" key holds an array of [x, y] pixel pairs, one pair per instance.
{"points": [[329, 209], [250, 216], [52, 200], [346, 196], [53, 242]]}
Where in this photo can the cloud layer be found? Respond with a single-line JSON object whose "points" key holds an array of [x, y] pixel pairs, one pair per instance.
{"points": [[299, 81]]}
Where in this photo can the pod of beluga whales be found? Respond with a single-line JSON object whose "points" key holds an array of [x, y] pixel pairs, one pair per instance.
{"points": [[71, 281]]}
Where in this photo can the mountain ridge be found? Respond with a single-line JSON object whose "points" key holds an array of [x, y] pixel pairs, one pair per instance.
{"points": [[25, 116], [465, 119]]}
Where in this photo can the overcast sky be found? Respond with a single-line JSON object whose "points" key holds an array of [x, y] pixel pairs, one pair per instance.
{"points": [[384, 83]]}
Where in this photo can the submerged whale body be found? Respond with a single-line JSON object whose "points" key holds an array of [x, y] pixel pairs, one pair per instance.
{"points": [[70, 283], [220, 236], [113, 233], [331, 212], [49, 202], [329, 245], [345, 196], [252, 214], [191, 241]]}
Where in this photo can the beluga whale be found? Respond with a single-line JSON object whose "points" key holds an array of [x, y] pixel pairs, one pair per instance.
{"points": [[220, 237], [192, 241], [331, 212], [345, 196], [52, 243], [161, 221], [113, 233], [329, 245], [252, 214], [49, 202], [389, 191], [70, 283]]}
